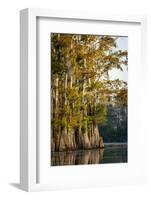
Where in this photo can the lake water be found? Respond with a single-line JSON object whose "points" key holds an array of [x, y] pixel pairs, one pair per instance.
{"points": [[112, 153]]}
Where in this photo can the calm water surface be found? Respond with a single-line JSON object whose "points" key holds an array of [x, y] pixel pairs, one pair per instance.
{"points": [[112, 153]]}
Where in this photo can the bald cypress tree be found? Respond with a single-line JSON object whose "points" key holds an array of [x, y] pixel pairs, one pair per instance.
{"points": [[81, 88]]}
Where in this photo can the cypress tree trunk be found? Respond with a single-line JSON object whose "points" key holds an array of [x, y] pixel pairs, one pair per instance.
{"points": [[66, 136]]}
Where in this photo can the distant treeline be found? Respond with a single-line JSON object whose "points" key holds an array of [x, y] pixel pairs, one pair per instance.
{"points": [[115, 129]]}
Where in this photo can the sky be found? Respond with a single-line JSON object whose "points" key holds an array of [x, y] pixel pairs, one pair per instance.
{"points": [[122, 43]]}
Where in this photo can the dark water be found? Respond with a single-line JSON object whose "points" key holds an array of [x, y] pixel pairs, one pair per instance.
{"points": [[112, 153]]}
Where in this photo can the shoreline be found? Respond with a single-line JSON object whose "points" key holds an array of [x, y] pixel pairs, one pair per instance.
{"points": [[106, 145], [114, 144]]}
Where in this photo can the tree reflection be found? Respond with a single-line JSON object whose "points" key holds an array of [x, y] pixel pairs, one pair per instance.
{"points": [[80, 157]]}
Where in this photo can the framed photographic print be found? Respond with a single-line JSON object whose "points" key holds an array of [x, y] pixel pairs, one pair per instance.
{"points": [[82, 79]]}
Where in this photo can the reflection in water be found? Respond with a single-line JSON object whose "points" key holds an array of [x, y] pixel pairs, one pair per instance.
{"points": [[111, 154]]}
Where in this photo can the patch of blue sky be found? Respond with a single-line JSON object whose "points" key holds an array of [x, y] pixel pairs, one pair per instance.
{"points": [[122, 44]]}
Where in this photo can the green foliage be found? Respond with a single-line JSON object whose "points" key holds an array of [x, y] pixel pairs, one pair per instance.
{"points": [[100, 114]]}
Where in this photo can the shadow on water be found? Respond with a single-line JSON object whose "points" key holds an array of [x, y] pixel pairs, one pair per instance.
{"points": [[110, 154]]}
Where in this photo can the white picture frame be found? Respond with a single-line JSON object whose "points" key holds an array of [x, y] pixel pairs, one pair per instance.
{"points": [[29, 148]]}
